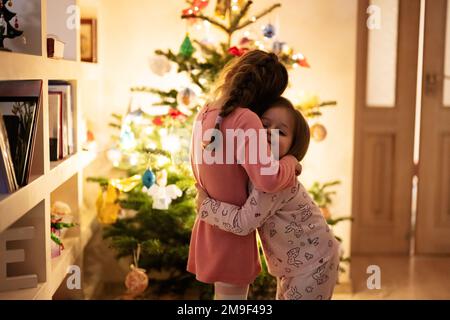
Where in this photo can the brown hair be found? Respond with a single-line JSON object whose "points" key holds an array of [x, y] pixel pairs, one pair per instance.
{"points": [[252, 81], [301, 134]]}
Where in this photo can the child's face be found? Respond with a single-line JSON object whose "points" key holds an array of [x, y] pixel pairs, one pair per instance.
{"points": [[280, 118]]}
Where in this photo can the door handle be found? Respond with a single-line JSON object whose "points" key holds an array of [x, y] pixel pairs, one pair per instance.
{"points": [[432, 80]]}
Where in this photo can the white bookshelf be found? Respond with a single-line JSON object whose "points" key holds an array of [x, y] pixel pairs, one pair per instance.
{"points": [[50, 181]]}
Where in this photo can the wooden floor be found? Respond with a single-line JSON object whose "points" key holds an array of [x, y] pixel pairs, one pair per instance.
{"points": [[401, 278]]}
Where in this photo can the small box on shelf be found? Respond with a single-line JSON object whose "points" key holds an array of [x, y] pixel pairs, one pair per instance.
{"points": [[55, 47]]}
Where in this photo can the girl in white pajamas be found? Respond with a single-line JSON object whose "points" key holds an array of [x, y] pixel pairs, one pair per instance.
{"points": [[300, 249]]}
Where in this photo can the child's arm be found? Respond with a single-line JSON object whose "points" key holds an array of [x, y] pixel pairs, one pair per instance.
{"points": [[283, 174], [241, 220]]}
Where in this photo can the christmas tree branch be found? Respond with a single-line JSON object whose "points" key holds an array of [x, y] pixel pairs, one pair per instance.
{"points": [[238, 17], [258, 16], [205, 18]]}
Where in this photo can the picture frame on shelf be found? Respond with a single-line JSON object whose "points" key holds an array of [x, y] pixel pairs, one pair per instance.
{"points": [[88, 40], [20, 104]]}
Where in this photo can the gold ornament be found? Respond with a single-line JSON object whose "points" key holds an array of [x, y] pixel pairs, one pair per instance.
{"points": [[107, 208], [126, 184], [136, 281], [318, 132], [222, 7], [325, 212]]}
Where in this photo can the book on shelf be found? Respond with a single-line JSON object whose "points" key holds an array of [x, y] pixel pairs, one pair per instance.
{"points": [[20, 103], [66, 142], [8, 181], [55, 127]]}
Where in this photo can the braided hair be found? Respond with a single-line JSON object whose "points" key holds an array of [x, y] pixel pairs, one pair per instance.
{"points": [[252, 81]]}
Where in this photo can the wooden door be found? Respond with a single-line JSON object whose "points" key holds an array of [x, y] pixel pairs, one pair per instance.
{"points": [[384, 125], [433, 204]]}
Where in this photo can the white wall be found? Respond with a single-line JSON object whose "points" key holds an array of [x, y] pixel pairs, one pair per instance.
{"points": [[324, 30]]}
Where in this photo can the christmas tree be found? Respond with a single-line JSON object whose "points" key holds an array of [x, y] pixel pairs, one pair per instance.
{"points": [[152, 209], [7, 31]]}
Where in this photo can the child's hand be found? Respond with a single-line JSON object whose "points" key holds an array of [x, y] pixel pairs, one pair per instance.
{"points": [[201, 196], [298, 169]]}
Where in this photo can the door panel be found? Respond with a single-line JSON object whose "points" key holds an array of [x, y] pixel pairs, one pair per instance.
{"points": [[384, 130], [433, 212]]}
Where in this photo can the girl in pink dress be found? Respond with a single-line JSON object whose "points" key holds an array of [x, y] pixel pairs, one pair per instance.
{"points": [[247, 87], [299, 247]]}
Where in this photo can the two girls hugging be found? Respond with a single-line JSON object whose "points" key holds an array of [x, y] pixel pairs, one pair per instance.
{"points": [[236, 198]]}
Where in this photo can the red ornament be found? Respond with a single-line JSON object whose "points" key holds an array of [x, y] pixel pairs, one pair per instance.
{"points": [[303, 63], [174, 113], [244, 41], [158, 121], [188, 11], [196, 7], [90, 136], [235, 51], [201, 4]]}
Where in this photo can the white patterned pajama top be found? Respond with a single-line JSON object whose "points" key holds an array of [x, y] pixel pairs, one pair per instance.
{"points": [[300, 249]]}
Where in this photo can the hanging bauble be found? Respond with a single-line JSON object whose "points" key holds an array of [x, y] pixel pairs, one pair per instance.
{"points": [[107, 207], [159, 65], [10, 3], [158, 121], [126, 184], [277, 47], [149, 178], [134, 117], [201, 4], [269, 31], [136, 281], [300, 59], [237, 52], [318, 132], [127, 138], [245, 41], [186, 99], [325, 212], [221, 9], [114, 156], [178, 115], [187, 49]]}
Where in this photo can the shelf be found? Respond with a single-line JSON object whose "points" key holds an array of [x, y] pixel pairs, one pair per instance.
{"points": [[69, 255], [58, 272], [14, 206], [38, 293], [20, 66]]}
